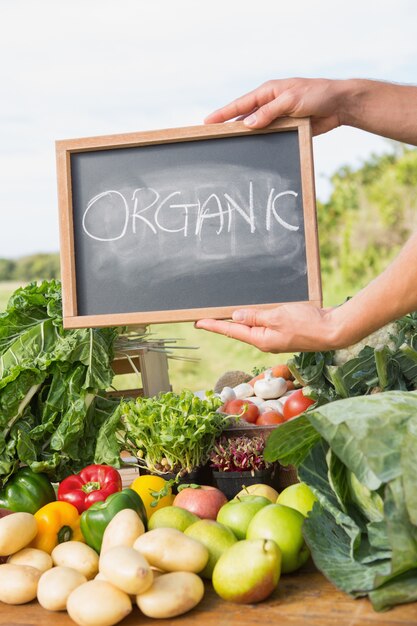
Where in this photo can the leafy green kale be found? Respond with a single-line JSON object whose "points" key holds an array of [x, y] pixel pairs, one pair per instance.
{"points": [[388, 361], [50, 384]]}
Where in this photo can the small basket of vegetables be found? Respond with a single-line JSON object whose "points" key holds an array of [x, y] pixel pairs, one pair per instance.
{"points": [[238, 461], [171, 434]]}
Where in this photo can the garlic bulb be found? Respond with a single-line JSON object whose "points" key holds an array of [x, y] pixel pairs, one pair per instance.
{"points": [[244, 390], [255, 400], [270, 387], [271, 405], [227, 394]]}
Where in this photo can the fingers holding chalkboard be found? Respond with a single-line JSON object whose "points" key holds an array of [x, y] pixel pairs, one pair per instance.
{"points": [[286, 328], [293, 97]]}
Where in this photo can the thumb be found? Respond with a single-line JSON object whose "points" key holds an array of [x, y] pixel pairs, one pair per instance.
{"points": [[250, 317]]}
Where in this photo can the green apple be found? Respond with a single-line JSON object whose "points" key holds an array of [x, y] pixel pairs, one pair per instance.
{"points": [[283, 525], [216, 537], [248, 571], [259, 489], [299, 497], [237, 513], [172, 517]]}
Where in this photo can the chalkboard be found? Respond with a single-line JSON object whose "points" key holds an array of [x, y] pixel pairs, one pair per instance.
{"points": [[186, 223]]}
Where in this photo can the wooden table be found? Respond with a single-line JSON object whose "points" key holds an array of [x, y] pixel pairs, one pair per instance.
{"points": [[305, 598]]}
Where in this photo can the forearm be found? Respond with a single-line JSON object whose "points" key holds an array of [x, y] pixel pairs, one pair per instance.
{"points": [[386, 109], [388, 297]]}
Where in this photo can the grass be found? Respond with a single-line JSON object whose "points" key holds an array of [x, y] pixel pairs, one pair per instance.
{"points": [[214, 354], [6, 290]]}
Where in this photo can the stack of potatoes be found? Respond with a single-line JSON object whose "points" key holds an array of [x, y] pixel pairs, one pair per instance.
{"points": [[157, 570]]}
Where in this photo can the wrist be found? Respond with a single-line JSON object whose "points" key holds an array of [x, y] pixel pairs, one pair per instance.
{"points": [[351, 93], [340, 332], [360, 103]]}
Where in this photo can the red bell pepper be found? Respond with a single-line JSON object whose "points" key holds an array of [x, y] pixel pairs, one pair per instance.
{"points": [[93, 484]]}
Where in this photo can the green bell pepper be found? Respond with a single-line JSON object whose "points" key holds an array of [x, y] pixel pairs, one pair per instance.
{"points": [[95, 519], [27, 491]]}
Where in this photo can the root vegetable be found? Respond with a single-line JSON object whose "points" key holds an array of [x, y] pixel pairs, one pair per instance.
{"points": [[227, 394], [34, 558], [18, 583], [98, 603], [55, 586], [127, 569], [171, 595], [244, 390], [255, 400], [170, 550], [278, 371], [78, 556], [271, 405], [16, 532], [270, 387], [123, 530]]}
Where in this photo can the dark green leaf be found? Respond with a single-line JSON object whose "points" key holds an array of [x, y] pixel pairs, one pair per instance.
{"points": [[330, 546], [291, 442]]}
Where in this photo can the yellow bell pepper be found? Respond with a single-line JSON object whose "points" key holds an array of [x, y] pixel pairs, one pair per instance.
{"points": [[57, 522]]}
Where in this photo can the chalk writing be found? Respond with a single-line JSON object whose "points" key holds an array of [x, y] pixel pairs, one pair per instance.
{"points": [[149, 209]]}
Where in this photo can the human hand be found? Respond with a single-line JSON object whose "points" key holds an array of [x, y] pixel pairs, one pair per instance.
{"points": [[318, 98], [298, 327]]}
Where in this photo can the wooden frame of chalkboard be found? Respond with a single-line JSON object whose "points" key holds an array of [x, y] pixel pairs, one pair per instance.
{"points": [[97, 291]]}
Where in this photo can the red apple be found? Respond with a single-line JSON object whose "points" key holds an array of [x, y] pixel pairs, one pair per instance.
{"points": [[204, 501]]}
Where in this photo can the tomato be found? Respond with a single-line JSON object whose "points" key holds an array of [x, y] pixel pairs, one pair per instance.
{"points": [[282, 371], [244, 408], [278, 371], [270, 417], [253, 380], [146, 486], [297, 403]]}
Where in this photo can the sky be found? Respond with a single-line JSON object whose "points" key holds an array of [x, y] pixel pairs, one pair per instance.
{"points": [[78, 68]]}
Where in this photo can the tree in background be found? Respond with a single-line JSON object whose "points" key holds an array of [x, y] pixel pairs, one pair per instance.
{"points": [[29, 268], [370, 214], [6, 269]]}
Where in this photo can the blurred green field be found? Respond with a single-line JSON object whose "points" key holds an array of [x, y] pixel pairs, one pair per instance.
{"points": [[214, 354], [6, 289]]}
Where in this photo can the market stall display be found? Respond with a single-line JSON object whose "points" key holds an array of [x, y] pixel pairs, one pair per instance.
{"points": [[71, 531]]}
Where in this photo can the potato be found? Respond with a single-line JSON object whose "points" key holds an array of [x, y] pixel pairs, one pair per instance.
{"points": [[18, 583], [78, 556], [127, 569], [16, 532], [98, 603], [171, 595], [101, 576], [125, 527], [172, 551], [33, 557], [56, 584]]}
